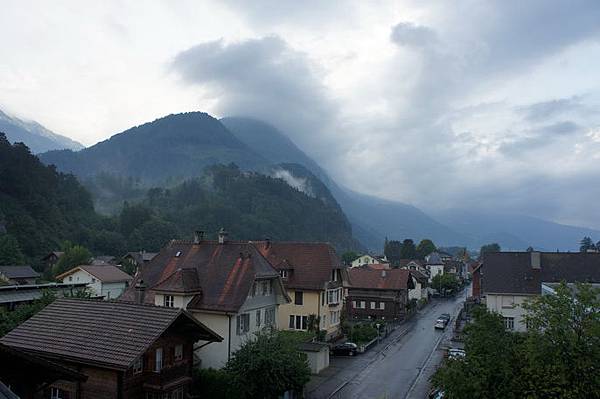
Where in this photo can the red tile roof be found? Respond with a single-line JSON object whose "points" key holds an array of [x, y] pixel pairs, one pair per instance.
{"points": [[311, 262], [184, 281], [378, 266], [225, 272], [367, 278]]}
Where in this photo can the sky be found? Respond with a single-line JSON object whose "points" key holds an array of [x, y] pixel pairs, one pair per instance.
{"points": [[487, 105]]}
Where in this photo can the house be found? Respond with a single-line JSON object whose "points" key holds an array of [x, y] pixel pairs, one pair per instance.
{"points": [[313, 276], [227, 285], [13, 275], [434, 265], [511, 278], [367, 259], [12, 296], [105, 281], [378, 294], [420, 291], [139, 258], [51, 259], [28, 375], [126, 350]]}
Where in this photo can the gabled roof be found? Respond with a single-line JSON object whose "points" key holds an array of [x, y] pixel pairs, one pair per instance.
{"points": [[512, 272], [58, 254], [423, 279], [312, 262], [406, 262], [18, 272], [183, 281], [104, 273], [371, 279], [225, 272], [142, 256], [102, 333]]}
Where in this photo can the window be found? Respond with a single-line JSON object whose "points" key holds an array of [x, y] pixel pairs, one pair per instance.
{"points": [[333, 296], [354, 304], [334, 317], [283, 273], [243, 323], [270, 316], [334, 275], [266, 287], [298, 322], [138, 365], [298, 297], [372, 305], [158, 363], [509, 323], [57, 393], [508, 301], [363, 305], [258, 318], [178, 352], [322, 299], [93, 280], [168, 301], [381, 305], [70, 278]]}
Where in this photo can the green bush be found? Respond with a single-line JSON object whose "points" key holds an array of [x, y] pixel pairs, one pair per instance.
{"points": [[362, 333]]}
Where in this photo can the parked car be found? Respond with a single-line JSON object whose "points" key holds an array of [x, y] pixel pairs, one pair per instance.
{"points": [[440, 324], [445, 316], [345, 349], [455, 353]]}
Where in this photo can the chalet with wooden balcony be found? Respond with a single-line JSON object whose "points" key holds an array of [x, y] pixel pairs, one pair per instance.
{"points": [[125, 350]]}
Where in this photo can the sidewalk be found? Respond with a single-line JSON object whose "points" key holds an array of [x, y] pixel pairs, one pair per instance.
{"points": [[344, 369]]}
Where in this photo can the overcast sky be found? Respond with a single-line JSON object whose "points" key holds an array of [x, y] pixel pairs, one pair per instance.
{"points": [[470, 104]]}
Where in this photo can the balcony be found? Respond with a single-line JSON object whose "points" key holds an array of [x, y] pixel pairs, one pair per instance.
{"points": [[168, 376]]}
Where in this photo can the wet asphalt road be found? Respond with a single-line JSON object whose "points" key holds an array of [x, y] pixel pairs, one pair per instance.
{"points": [[402, 370]]}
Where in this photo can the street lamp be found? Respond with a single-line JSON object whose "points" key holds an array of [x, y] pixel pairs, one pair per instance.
{"points": [[378, 338]]}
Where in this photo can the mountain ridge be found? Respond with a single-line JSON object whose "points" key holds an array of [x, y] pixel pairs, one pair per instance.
{"points": [[37, 137]]}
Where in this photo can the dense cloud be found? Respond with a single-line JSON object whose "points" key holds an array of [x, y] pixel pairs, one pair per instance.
{"points": [[463, 104], [262, 78]]}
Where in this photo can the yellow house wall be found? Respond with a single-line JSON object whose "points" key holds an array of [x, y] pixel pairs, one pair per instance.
{"points": [[311, 305]]}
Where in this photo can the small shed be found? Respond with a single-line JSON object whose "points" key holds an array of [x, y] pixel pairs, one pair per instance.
{"points": [[318, 355]]}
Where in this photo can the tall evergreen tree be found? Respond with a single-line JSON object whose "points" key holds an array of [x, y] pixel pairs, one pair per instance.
{"points": [[10, 251], [586, 244]]}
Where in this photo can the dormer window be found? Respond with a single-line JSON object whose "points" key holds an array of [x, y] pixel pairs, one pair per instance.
{"points": [[334, 275], [283, 273], [168, 301]]}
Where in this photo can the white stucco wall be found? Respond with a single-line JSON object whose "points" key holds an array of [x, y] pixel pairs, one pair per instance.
{"points": [[112, 290], [434, 270], [509, 306]]}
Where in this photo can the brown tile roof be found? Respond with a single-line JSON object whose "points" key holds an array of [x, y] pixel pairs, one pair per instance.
{"points": [[103, 333], [311, 262], [366, 278], [104, 273], [184, 281], [225, 272], [511, 272]]}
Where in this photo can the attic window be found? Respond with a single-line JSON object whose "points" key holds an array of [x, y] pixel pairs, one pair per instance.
{"points": [[178, 254], [283, 273]]}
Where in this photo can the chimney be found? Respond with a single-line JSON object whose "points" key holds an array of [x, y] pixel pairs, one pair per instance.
{"points": [[267, 242], [140, 291], [198, 236], [536, 260], [222, 236]]}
